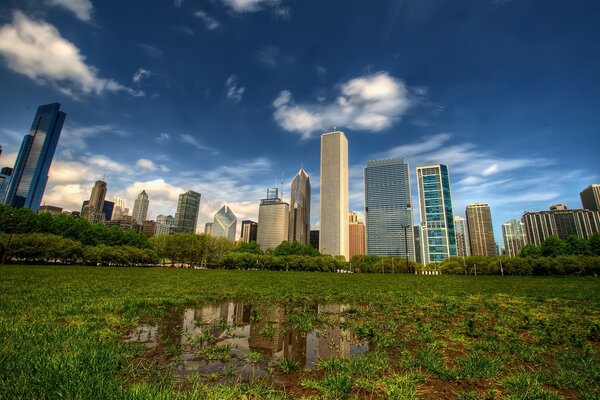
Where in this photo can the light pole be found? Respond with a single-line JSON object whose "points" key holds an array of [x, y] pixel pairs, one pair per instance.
{"points": [[406, 245], [13, 226]]}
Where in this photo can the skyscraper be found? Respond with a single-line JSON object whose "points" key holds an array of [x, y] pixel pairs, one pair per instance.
{"points": [[438, 241], [208, 228], [388, 209], [590, 197], [140, 207], [164, 225], [333, 236], [224, 223], [186, 216], [30, 175], [299, 225], [561, 222], [462, 237], [481, 231], [273, 223], [513, 233], [356, 234], [4, 181], [119, 208], [94, 211], [249, 231]]}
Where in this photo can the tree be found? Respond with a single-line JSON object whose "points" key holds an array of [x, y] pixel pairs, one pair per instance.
{"points": [[553, 246], [530, 250], [286, 248], [251, 247]]}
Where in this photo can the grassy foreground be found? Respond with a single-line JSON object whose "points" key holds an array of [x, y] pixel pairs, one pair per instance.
{"points": [[431, 337]]}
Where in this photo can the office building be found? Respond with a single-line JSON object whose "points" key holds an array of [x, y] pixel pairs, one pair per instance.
{"points": [[225, 223], [272, 193], [273, 223], [4, 181], [463, 249], [299, 225], [6, 171], [125, 223], [590, 197], [249, 231], [186, 216], [388, 210], [356, 235], [418, 248], [208, 228], [438, 240], [93, 209], [481, 230], [108, 210], [50, 210], [513, 233], [561, 222], [140, 207], [148, 228], [334, 239], [30, 175], [314, 239], [164, 225], [120, 205]]}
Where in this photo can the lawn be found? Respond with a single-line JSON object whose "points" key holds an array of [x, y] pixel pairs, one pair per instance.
{"points": [[87, 332]]}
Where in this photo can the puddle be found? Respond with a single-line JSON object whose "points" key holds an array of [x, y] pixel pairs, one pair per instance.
{"points": [[236, 342]]}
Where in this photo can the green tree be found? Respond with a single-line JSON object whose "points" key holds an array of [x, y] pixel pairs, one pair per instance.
{"points": [[251, 247], [553, 246], [530, 250]]}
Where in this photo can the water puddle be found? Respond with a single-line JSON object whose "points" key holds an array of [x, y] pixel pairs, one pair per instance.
{"points": [[236, 342]]}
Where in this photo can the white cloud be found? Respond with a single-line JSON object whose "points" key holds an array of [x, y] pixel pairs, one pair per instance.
{"points": [[369, 103], [283, 13], [37, 49], [150, 50], [74, 137], [81, 8], [243, 6], [272, 57], [209, 22], [178, 3], [189, 139], [146, 164], [140, 74], [163, 137], [233, 92]]}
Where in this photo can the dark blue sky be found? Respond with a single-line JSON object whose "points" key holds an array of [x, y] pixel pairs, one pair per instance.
{"points": [[220, 96]]}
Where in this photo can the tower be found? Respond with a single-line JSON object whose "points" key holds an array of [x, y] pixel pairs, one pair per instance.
{"points": [[463, 249], [333, 236], [140, 207], [299, 225], [249, 231], [273, 222], [438, 241], [186, 216], [356, 235], [30, 175], [481, 231], [224, 223], [590, 197], [388, 209], [95, 207], [513, 233]]}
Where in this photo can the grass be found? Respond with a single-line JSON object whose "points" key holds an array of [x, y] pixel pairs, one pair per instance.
{"points": [[61, 331]]}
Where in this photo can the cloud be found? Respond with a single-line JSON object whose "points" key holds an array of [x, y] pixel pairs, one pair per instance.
{"points": [[81, 8], [209, 22], [178, 3], [74, 137], [283, 13], [140, 74], [272, 57], [243, 6], [189, 139], [146, 164], [152, 51], [233, 92], [37, 49], [163, 137], [368, 103]]}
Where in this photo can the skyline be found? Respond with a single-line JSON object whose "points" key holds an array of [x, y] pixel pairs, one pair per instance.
{"points": [[516, 135]]}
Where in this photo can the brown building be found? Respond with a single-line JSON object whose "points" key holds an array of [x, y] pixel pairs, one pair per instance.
{"points": [[590, 197], [50, 210], [481, 231], [148, 228], [561, 222], [357, 235]]}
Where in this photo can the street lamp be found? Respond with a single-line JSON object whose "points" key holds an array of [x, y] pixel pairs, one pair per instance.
{"points": [[406, 245]]}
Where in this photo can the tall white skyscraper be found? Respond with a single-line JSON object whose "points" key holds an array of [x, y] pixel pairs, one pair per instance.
{"points": [[273, 221], [334, 235], [224, 223], [140, 207], [164, 225], [119, 208], [463, 249], [513, 233]]}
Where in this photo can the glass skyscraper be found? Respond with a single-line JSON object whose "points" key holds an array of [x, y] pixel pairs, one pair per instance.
{"points": [[186, 216], [299, 225], [438, 240], [388, 209], [30, 174], [225, 223]]}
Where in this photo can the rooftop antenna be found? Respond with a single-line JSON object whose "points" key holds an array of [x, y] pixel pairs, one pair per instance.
{"points": [[104, 177], [282, 184]]}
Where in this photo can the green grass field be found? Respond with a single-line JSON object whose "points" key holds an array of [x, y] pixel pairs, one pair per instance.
{"points": [[62, 334]]}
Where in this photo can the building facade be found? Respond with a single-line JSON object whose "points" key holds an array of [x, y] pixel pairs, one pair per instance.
{"points": [[148, 228], [208, 228], [164, 225], [249, 231], [225, 223], [186, 216], [388, 209], [299, 225], [30, 174], [513, 234], [438, 241], [560, 222], [461, 232], [273, 223], [333, 236], [590, 197], [4, 181], [356, 232], [481, 230], [93, 210], [53, 210], [119, 208], [140, 207]]}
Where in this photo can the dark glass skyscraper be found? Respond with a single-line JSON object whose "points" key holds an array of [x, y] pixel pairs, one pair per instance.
{"points": [[186, 216], [30, 174], [299, 227]]}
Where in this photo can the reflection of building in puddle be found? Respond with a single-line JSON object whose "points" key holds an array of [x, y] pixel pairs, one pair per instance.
{"points": [[266, 333], [333, 341]]}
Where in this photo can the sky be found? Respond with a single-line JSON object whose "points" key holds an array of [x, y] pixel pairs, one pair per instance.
{"points": [[225, 96]]}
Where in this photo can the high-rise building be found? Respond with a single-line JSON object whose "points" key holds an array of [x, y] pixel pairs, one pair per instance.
{"points": [[94, 211], [272, 193], [590, 197], [249, 231], [513, 233], [356, 234], [53, 210], [461, 232], [299, 225], [4, 181], [208, 228], [314, 239], [418, 248], [140, 207], [164, 225], [438, 240], [30, 175], [388, 209], [119, 208], [273, 223], [560, 222], [108, 210], [186, 216], [333, 236], [148, 228], [6, 171], [225, 223], [481, 230]]}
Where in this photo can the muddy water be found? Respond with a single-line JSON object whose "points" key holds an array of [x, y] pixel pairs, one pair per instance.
{"points": [[233, 342]]}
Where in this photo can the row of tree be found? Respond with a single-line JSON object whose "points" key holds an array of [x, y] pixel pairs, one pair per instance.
{"points": [[554, 246]]}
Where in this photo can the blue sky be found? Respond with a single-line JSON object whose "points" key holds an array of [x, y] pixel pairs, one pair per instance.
{"points": [[220, 96]]}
